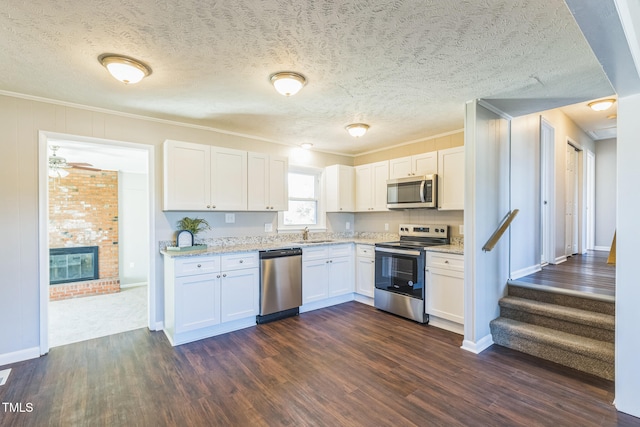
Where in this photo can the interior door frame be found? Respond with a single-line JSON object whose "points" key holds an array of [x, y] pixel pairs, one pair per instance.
{"points": [[43, 225], [547, 189], [579, 211]]}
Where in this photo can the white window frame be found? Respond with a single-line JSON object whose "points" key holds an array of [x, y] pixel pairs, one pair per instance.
{"points": [[321, 225]]}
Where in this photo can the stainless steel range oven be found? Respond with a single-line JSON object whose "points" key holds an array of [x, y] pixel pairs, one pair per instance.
{"points": [[400, 265]]}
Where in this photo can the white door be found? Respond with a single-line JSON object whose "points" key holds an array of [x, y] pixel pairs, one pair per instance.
{"points": [[570, 212], [590, 202], [547, 197]]}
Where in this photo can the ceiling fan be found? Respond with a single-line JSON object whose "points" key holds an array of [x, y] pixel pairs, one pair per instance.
{"points": [[58, 165]]}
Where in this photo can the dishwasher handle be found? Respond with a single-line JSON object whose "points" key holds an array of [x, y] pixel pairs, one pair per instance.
{"points": [[279, 253]]}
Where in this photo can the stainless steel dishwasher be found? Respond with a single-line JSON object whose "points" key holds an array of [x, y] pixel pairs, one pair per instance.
{"points": [[280, 284]]}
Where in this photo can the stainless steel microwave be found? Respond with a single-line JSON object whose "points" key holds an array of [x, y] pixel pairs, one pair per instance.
{"points": [[413, 192]]}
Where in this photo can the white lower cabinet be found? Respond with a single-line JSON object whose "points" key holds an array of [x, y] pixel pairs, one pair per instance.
{"points": [[205, 294], [327, 271], [445, 290], [365, 270]]}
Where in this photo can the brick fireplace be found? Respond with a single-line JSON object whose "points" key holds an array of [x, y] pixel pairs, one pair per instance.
{"points": [[83, 212]]}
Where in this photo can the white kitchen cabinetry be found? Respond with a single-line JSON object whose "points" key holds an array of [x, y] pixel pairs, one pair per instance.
{"points": [[371, 186], [365, 270], [451, 179], [339, 188], [200, 177], [210, 294], [267, 182], [420, 164], [327, 271], [445, 290], [240, 286]]}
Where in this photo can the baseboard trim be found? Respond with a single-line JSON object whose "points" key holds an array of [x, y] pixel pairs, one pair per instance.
{"points": [[560, 259], [602, 248], [478, 346], [19, 356], [525, 271]]}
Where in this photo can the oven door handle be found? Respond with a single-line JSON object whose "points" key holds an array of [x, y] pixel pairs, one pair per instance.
{"points": [[398, 251]]}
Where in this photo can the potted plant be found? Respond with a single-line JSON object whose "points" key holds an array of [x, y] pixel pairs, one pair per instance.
{"points": [[188, 228]]}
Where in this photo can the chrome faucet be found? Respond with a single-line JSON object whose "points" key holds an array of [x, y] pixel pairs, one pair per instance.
{"points": [[305, 233]]}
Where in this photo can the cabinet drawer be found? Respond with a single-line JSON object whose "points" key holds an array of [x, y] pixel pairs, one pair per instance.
{"points": [[339, 250], [190, 266], [448, 261], [315, 252], [365, 251], [239, 261]]}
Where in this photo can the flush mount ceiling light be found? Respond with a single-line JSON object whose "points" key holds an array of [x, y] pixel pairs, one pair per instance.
{"points": [[127, 70], [356, 130], [288, 83], [601, 105]]}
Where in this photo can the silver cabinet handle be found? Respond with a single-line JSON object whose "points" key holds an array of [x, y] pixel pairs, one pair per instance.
{"points": [[218, 276], [241, 261], [199, 265], [224, 275]]}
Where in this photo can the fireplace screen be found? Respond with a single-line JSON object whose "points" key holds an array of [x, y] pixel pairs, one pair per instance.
{"points": [[73, 264]]}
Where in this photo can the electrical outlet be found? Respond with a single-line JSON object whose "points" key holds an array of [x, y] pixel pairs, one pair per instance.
{"points": [[229, 218], [461, 229], [347, 225], [268, 227], [132, 265], [386, 227]]}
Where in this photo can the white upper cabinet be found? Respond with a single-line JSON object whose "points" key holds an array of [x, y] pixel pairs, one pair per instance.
{"points": [[420, 164], [451, 179], [187, 176], [228, 179], [371, 186], [268, 182], [339, 188]]}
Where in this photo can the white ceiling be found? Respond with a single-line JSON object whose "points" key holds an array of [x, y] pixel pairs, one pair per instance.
{"points": [[406, 67]]}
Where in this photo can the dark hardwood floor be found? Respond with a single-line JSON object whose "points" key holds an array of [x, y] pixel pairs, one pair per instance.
{"points": [[587, 273], [347, 365]]}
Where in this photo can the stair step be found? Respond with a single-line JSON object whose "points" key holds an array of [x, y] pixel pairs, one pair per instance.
{"points": [[578, 352], [564, 313], [605, 305]]}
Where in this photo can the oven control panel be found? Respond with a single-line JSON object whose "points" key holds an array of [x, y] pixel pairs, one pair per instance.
{"points": [[424, 230]]}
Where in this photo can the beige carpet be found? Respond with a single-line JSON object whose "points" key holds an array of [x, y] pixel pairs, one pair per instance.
{"points": [[81, 319]]}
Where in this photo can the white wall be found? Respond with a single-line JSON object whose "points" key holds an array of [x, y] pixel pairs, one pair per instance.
{"points": [[525, 195], [486, 203], [20, 121], [606, 192], [628, 235], [564, 128], [133, 227]]}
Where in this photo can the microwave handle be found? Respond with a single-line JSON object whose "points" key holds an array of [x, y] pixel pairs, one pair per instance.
{"points": [[422, 198]]}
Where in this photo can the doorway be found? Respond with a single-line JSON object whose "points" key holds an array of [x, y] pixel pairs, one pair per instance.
{"points": [[127, 258], [547, 190]]}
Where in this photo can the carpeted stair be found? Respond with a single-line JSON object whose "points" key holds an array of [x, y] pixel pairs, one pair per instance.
{"points": [[570, 330]]}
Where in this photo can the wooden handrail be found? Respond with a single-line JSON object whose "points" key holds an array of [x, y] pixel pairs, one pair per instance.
{"points": [[506, 221]]}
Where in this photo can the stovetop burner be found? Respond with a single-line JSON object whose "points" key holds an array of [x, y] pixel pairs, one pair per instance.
{"points": [[418, 236]]}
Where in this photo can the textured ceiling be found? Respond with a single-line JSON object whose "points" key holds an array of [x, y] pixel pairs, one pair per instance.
{"points": [[405, 67]]}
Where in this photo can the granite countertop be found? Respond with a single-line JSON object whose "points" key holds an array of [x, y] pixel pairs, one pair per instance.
{"points": [[457, 249], [238, 245], [250, 244]]}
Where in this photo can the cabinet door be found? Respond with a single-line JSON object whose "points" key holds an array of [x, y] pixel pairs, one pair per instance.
{"points": [[240, 294], [315, 280], [380, 175], [365, 275], [228, 179], [424, 164], [278, 183], [445, 294], [340, 188], [364, 194], [257, 182], [451, 179], [400, 168], [197, 302], [187, 178], [340, 276]]}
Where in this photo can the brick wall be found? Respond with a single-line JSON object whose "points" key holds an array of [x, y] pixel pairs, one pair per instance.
{"points": [[83, 211]]}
